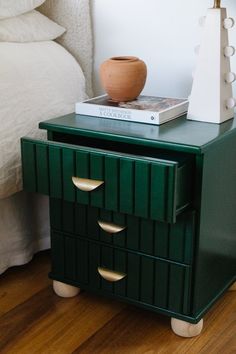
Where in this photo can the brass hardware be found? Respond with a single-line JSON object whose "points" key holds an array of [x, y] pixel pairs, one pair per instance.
{"points": [[110, 227], [110, 275], [85, 184], [217, 4]]}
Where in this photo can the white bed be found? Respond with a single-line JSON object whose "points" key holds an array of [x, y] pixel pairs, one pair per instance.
{"points": [[39, 80]]}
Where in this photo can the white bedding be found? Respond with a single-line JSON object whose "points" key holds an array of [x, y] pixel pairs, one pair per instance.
{"points": [[38, 81], [24, 228]]}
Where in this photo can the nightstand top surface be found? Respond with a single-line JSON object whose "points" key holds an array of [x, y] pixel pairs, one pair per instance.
{"points": [[179, 134]]}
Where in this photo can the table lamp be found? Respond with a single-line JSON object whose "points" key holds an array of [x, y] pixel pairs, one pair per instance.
{"points": [[211, 99]]}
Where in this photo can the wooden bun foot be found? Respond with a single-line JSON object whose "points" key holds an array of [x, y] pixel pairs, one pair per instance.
{"points": [[186, 329], [65, 290], [233, 287]]}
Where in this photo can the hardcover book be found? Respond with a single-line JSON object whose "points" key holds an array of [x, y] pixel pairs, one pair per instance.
{"points": [[145, 109]]}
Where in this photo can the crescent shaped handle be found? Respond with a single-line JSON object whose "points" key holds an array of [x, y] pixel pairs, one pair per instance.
{"points": [[85, 184], [110, 227], [110, 275]]}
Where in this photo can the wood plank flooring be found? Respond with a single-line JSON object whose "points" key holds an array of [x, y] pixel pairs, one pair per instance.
{"points": [[34, 320]]}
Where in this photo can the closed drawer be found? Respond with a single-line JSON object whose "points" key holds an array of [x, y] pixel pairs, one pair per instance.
{"points": [[159, 239], [141, 279], [141, 186]]}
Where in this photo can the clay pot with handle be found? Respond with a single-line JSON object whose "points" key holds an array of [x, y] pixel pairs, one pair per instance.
{"points": [[123, 78]]}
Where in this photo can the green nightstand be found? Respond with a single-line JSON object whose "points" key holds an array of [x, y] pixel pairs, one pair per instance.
{"points": [[141, 213]]}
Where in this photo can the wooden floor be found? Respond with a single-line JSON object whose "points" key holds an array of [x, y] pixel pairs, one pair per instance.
{"points": [[34, 320]]}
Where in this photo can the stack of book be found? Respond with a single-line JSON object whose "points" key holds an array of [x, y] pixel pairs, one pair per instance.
{"points": [[145, 109]]}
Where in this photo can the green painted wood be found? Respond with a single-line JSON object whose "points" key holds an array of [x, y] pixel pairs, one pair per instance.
{"points": [[93, 227], [161, 284], [68, 170], [106, 261], [161, 239], [55, 172], [199, 242], [106, 257], [120, 264], [97, 173], [142, 193], [184, 189], [82, 171], [177, 241], [170, 241], [94, 261], [133, 276], [57, 255], [146, 236], [126, 185], [28, 166], [189, 240], [158, 192], [181, 237], [162, 192], [119, 239], [112, 183], [68, 219], [144, 187], [176, 288], [171, 195], [179, 134], [56, 214], [216, 228], [106, 216], [133, 232], [187, 290], [82, 263], [70, 258], [147, 280], [50, 135], [42, 169], [81, 213]]}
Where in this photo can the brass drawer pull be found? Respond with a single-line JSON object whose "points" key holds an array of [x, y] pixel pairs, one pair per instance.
{"points": [[85, 184], [110, 275], [110, 227]]}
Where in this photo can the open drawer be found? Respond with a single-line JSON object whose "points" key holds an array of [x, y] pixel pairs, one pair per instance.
{"points": [[139, 185]]}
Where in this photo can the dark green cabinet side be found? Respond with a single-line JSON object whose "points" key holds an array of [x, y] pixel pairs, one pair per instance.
{"points": [[215, 266]]}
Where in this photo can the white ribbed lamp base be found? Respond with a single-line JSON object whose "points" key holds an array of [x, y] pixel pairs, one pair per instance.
{"points": [[211, 99]]}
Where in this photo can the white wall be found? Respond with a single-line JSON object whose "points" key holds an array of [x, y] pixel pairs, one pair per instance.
{"points": [[161, 32]]}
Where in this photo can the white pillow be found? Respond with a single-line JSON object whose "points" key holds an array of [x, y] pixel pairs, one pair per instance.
{"points": [[29, 27], [10, 8]]}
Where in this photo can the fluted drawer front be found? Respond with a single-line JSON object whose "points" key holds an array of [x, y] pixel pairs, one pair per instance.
{"points": [[170, 241], [131, 276], [142, 186]]}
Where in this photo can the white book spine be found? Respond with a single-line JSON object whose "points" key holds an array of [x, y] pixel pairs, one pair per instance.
{"points": [[131, 115]]}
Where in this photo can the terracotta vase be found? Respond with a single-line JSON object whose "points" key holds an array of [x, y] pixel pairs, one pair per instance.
{"points": [[123, 78]]}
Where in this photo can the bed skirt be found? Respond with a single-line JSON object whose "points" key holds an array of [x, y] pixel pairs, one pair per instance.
{"points": [[24, 228]]}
